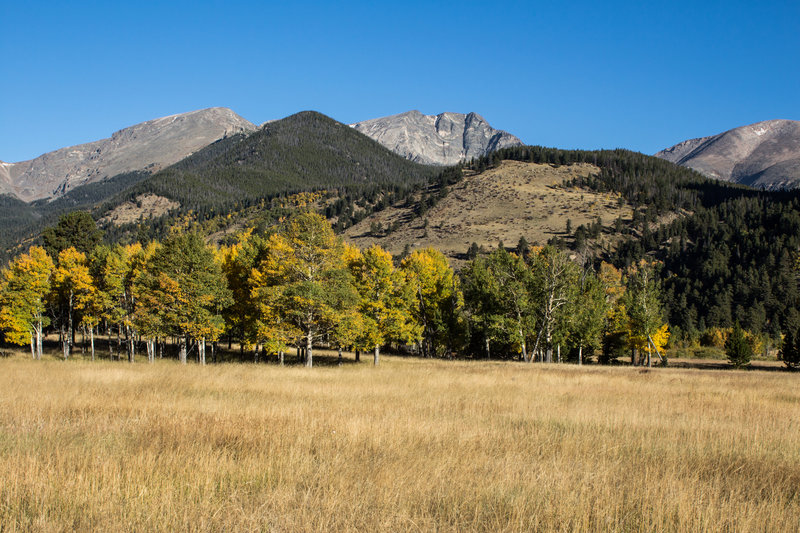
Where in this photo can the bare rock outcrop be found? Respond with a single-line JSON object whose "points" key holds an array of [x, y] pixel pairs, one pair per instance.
{"points": [[149, 146], [765, 154], [443, 139]]}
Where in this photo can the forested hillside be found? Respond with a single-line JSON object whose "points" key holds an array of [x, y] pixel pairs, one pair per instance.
{"points": [[731, 255]]}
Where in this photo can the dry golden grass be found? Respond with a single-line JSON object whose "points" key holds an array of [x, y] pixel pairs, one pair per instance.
{"points": [[410, 446], [505, 203]]}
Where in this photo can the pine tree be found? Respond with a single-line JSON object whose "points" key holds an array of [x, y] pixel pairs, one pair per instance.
{"points": [[738, 348], [790, 349]]}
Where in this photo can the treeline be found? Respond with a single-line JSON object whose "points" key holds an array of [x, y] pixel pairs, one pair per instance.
{"points": [[299, 285]]}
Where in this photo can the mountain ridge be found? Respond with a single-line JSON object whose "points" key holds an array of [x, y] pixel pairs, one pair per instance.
{"points": [[149, 146]]}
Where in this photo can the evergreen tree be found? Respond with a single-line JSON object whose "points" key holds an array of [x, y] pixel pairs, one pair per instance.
{"points": [[790, 349], [76, 230], [738, 348]]}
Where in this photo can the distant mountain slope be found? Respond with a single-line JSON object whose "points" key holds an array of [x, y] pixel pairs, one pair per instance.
{"points": [[150, 146], [306, 151], [763, 154], [443, 139]]}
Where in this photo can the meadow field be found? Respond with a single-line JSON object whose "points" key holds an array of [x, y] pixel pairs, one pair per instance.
{"points": [[413, 445]]}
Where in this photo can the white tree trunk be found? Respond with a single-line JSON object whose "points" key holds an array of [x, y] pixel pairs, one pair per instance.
{"points": [[309, 351], [580, 355], [91, 340], [377, 356]]}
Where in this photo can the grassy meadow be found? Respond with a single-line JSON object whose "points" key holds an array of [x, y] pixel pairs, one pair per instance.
{"points": [[413, 445]]}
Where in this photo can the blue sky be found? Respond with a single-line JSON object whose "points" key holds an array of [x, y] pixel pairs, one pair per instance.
{"points": [[638, 75]]}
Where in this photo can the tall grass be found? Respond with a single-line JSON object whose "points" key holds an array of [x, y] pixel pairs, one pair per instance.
{"points": [[410, 446]]}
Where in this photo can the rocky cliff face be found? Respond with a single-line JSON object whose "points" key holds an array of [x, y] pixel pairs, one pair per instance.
{"points": [[763, 154], [443, 139], [148, 146]]}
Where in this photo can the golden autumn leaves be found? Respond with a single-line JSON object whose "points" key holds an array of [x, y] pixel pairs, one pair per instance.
{"points": [[301, 285]]}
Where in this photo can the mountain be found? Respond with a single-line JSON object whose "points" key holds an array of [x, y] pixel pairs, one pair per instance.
{"points": [[443, 139], [303, 152], [148, 146], [763, 154]]}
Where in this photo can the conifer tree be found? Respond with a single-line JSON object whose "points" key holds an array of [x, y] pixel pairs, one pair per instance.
{"points": [[738, 348]]}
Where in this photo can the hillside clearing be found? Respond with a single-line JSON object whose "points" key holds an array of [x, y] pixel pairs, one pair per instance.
{"points": [[505, 203], [411, 445]]}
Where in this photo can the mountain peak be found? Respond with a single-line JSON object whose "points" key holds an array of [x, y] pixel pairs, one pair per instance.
{"points": [[443, 139], [766, 154], [149, 145]]}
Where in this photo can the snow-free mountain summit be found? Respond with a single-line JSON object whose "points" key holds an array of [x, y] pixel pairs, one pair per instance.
{"points": [[148, 146], [443, 139], [765, 154]]}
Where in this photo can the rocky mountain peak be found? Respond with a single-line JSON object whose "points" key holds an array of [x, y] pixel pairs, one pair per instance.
{"points": [[443, 139]]}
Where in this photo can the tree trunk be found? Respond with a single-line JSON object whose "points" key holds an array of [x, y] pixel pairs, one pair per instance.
{"points": [[488, 353], [65, 343], [377, 355], [580, 354], [39, 339], [309, 350], [214, 352], [131, 346], [340, 356], [548, 340], [202, 350], [70, 332], [280, 356], [559, 353], [33, 346], [358, 356], [182, 352], [91, 340]]}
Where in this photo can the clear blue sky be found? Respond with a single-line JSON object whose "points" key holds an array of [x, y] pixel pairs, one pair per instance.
{"points": [[639, 75]]}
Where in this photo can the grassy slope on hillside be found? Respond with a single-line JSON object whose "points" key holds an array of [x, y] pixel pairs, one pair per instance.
{"points": [[412, 445], [505, 203]]}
